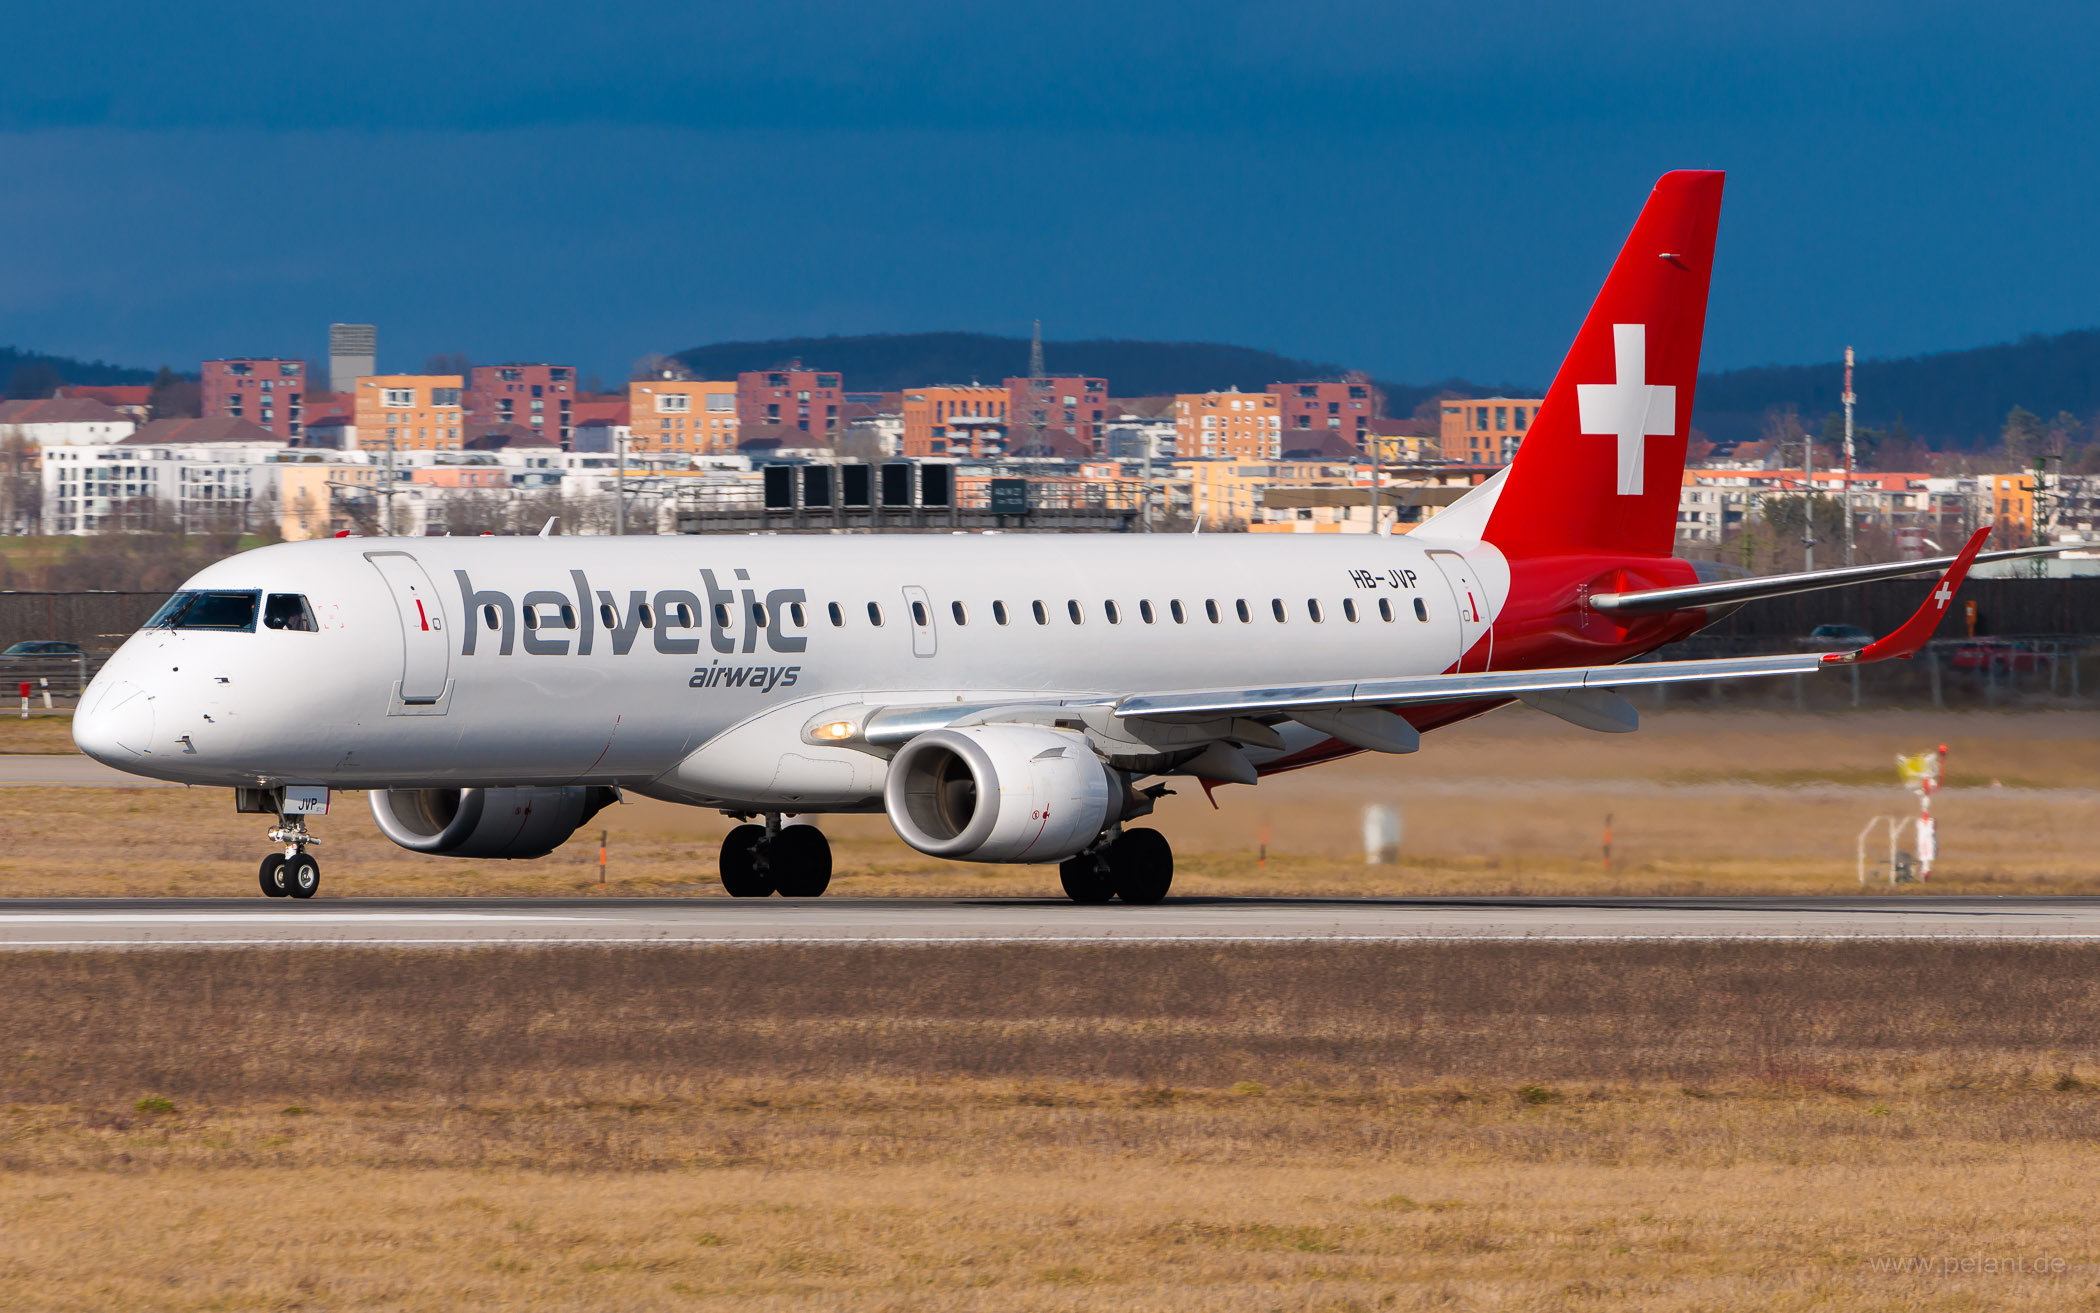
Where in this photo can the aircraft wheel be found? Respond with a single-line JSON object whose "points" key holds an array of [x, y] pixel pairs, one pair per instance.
{"points": [[1086, 879], [302, 876], [799, 860], [741, 877], [1142, 865], [271, 875]]}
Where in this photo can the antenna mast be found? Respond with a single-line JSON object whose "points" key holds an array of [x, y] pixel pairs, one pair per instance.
{"points": [[1035, 353], [1848, 399]]}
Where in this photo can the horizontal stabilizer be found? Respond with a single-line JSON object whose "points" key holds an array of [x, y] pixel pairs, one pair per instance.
{"points": [[1727, 592]]}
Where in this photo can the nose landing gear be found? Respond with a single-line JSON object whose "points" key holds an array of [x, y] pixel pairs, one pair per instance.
{"points": [[793, 861], [292, 873]]}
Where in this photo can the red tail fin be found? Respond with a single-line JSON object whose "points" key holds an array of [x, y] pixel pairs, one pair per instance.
{"points": [[1603, 463]]}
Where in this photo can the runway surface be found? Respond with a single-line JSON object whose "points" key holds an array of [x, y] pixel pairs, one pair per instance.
{"points": [[175, 923]]}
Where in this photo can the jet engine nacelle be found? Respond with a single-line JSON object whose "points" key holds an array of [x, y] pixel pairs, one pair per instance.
{"points": [[1001, 793], [525, 822]]}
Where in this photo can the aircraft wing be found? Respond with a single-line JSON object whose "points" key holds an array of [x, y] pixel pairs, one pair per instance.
{"points": [[1412, 689], [1728, 592]]}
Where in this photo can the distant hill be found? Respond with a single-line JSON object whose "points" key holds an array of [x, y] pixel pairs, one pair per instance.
{"points": [[1959, 399], [33, 372], [888, 362]]}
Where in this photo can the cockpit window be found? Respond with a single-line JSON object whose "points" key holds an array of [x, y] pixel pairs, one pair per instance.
{"points": [[208, 610], [288, 611]]}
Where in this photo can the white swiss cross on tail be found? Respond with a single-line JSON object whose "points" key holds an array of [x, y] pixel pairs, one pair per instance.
{"points": [[1632, 409]]}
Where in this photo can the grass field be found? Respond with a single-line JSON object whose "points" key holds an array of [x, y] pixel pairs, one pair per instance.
{"points": [[1165, 1127], [1700, 802]]}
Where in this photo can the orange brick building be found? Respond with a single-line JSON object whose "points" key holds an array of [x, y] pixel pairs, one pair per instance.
{"points": [[955, 421], [415, 412], [1486, 430], [1233, 425], [684, 418]]}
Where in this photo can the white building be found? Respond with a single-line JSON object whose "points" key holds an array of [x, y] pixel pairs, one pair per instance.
{"points": [[187, 474], [63, 422]]}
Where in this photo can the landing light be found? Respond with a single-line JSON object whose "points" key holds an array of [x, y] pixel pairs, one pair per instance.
{"points": [[836, 730]]}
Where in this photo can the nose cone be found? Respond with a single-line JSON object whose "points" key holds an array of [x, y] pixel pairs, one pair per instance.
{"points": [[115, 725]]}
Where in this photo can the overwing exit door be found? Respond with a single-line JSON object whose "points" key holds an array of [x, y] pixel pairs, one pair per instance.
{"points": [[1472, 602], [426, 650], [919, 610]]}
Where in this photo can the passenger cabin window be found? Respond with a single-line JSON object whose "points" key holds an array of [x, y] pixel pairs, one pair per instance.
{"points": [[758, 615], [1210, 608], [1349, 609], [288, 611], [1246, 616], [918, 614], [680, 614], [721, 615], [1181, 617], [1114, 613], [875, 614], [1078, 616], [998, 613], [1385, 610], [955, 609], [838, 616], [232, 612], [1312, 608], [1042, 613], [1421, 611], [1276, 609], [1145, 612], [796, 616]]}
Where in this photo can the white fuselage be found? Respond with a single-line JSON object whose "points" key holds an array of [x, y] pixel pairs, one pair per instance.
{"points": [[490, 661]]}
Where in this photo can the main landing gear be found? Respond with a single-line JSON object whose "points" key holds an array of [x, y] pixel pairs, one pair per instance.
{"points": [[793, 861], [292, 873], [1136, 866]]}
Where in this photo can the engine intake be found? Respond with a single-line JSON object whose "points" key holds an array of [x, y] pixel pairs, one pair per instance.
{"points": [[1001, 793], [518, 822]]}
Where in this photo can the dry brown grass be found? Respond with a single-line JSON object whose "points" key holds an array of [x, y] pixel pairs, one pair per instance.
{"points": [[1703, 802], [1167, 1127]]}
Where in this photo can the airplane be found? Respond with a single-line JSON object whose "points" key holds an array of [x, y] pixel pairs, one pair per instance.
{"points": [[1002, 698]]}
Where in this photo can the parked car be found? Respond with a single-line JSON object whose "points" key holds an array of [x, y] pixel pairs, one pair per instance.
{"points": [[1841, 635], [2001, 654], [40, 647]]}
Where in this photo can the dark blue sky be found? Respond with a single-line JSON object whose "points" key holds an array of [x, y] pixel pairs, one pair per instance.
{"points": [[1420, 190]]}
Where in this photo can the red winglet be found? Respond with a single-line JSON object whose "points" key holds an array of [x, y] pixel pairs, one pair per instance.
{"points": [[1917, 630]]}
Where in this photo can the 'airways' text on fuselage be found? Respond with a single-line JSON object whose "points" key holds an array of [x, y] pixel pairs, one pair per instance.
{"points": [[579, 620]]}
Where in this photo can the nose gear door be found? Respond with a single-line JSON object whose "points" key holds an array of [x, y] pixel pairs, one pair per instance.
{"points": [[426, 651], [1473, 618]]}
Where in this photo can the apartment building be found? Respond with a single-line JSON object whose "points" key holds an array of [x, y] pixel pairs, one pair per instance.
{"points": [[410, 412], [1057, 416], [538, 397], [1486, 430], [1334, 417], [682, 418], [266, 391], [1231, 425], [214, 473], [967, 420], [788, 407]]}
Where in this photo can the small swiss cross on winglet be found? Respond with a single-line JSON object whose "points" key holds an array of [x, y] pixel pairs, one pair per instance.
{"points": [[1917, 631]]}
